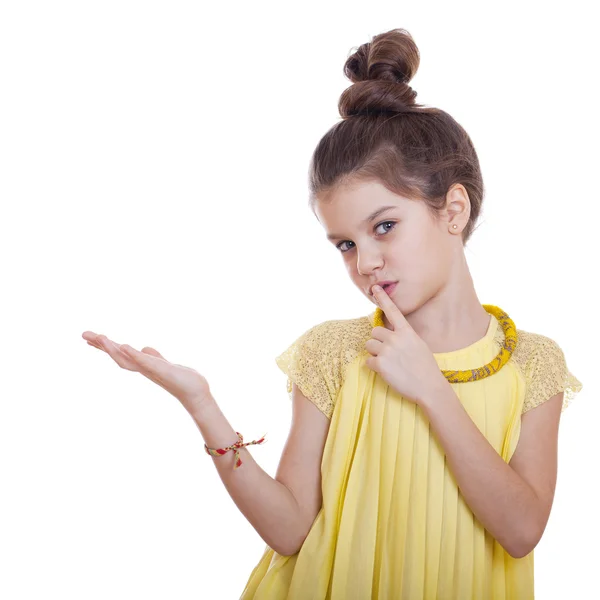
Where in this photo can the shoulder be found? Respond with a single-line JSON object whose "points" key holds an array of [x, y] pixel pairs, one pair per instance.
{"points": [[317, 359], [328, 346], [543, 365], [535, 349], [333, 335], [530, 345]]}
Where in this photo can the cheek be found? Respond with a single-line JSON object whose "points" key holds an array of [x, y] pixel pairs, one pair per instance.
{"points": [[424, 262]]}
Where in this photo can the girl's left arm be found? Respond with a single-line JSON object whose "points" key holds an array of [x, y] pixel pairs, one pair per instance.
{"points": [[511, 500]]}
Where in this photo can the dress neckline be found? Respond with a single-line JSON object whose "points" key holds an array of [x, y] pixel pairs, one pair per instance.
{"points": [[484, 341], [489, 336]]}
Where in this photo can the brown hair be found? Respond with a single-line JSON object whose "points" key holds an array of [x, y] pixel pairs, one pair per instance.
{"points": [[415, 151]]}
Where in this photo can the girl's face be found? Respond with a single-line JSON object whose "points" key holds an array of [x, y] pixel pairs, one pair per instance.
{"points": [[405, 243]]}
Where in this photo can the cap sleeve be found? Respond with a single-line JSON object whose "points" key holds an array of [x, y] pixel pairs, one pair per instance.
{"points": [[312, 363], [547, 374]]}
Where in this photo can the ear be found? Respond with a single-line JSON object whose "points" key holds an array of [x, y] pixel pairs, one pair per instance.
{"points": [[458, 206]]}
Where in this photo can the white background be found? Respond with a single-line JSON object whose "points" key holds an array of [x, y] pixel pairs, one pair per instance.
{"points": [[154, 161]]}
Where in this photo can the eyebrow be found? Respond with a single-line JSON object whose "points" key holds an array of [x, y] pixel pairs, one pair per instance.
{"points": [[371, 217]]}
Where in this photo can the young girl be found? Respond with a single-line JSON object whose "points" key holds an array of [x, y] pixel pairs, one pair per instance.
{"points": [[422, 456]]}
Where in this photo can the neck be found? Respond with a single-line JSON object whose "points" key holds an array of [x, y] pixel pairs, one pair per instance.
{"points": [[453, 318]]}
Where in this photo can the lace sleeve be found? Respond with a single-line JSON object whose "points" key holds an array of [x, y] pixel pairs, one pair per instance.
{"points": [[312, 362], [547, 374]]}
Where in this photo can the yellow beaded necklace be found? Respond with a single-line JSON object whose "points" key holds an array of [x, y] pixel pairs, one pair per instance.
{"points": [[510, 343]]}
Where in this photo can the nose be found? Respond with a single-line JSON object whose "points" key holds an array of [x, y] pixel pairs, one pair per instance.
{"points": [[368, 261]]}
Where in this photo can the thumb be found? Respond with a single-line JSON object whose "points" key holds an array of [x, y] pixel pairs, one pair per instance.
{"points": [[152, 351]]}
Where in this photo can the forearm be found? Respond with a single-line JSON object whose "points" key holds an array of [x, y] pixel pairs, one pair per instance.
{"points": [[268, 505], [501, 500]]}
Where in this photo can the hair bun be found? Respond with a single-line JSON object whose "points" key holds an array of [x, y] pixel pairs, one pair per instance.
{"points": [[380, 71]]}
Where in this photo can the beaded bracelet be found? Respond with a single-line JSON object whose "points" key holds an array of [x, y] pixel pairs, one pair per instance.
{"points": [[236, 447]]}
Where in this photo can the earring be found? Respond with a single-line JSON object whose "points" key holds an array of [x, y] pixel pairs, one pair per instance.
{"points": [[454, 226]]}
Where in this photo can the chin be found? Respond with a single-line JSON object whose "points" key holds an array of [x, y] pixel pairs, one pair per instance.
{"points": [[405, 305], [396, 299]]}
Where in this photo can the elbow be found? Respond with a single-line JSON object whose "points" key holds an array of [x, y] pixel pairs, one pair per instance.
{"points": [[520, 551], [283, 549], [288, 550], [291, 547], [525, 544], [284, 546], [294, 542]]}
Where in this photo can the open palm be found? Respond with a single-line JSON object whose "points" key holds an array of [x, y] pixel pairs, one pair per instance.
{"points": [[186, 384]]}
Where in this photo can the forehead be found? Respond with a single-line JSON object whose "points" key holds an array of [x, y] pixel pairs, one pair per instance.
{"points": [[358, 192]]}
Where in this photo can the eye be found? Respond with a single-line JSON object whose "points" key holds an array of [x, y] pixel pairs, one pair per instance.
{"points": [[392, 223]]}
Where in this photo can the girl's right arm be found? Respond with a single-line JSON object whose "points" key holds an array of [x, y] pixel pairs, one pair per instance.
{"points": [[282, 510]]}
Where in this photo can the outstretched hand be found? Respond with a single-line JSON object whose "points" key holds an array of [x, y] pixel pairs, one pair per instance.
{"points": [[401, 357], [187, 385]]}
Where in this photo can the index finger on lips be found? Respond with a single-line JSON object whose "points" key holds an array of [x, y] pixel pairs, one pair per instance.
{"points": [[387, 305]]}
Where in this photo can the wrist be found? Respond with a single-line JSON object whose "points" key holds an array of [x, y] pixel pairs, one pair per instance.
{"points": [[437, 393], [203, 407]]}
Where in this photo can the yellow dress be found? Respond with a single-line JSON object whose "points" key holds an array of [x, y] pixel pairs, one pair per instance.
{"points": [[393, 523]]}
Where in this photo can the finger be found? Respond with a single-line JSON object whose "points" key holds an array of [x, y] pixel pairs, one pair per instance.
{"points": [[374, 347], [153, 352], [381, 333], [100, 342], [153, 367], [371, 362], [390, 309], [111, 348], [97, 340]]}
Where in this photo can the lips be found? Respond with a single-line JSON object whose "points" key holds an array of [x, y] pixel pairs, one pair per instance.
{"points": [[389, 288], [386, 285]]}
